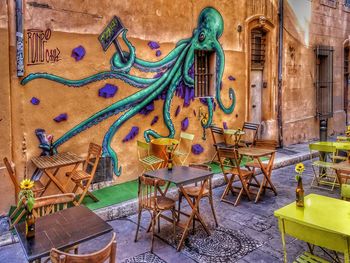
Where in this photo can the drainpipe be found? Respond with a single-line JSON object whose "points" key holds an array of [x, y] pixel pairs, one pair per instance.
{"points": [[279, 94]]}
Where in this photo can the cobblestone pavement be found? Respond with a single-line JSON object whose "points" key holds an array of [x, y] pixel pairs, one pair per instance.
{"points": [[254, 220]]}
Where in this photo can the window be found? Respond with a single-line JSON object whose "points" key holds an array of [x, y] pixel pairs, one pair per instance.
{"points": [[258, 43], [204, 77], [324, 81]]}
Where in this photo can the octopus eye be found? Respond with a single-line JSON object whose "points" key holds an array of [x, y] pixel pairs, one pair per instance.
{"points": [[201, 36]]}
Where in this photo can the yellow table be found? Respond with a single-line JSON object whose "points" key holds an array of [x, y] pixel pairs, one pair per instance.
{"points": [[345, 146], [159, 147], [237, 136], [324, 222]]}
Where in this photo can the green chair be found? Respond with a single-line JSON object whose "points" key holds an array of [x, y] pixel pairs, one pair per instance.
{"points": [[183, 150], [307, 257], [324, 175], [343, 179], [149, 162]]}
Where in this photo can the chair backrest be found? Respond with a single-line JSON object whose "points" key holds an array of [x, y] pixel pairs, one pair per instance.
{"points": [[142, 149], [251, 131], [218, 134], [266, 144], [51, 204], [108, 252], [147, 192], [13, 177], [92, 159], [202, 167], [228, 154], [185, 142]]}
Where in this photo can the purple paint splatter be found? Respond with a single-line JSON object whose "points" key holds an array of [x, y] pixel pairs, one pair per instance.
{"points": [[184, 124], [177, 111], [231, 78], [224, 125], [35, 101], [61, 117], [158, 53], [197, 149], [147, 109], [158, 75], [132, 134], [153, 45], [107, 91], [78, 53], [155, 120]]}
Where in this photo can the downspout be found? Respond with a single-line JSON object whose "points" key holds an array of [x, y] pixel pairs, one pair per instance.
{"points": [[279, 94]]}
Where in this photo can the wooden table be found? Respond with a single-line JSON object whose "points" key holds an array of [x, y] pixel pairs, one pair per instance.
{"points": [[256, 154], [181, 176], [324, 222], [236, 133], [55, 162], [61, 230], [159, 148]]}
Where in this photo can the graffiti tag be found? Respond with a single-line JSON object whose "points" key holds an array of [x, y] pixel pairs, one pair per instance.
{"points": [[38, 53]]}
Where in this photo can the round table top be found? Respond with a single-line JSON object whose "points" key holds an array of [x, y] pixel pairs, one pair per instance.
{"points": [[234, 132], [165, 141]]}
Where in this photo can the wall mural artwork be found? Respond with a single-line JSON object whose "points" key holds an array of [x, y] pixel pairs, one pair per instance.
{"points": [[174, 72]]}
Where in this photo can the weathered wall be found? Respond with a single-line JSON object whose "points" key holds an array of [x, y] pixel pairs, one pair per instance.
{"points": [[307, 24]]}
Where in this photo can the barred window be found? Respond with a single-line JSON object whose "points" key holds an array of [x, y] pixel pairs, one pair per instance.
{"points": [[324, 81], [258, 43], [204, 77]]}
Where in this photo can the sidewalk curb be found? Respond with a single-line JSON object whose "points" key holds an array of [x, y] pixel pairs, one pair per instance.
{"points": [[128, 208]]}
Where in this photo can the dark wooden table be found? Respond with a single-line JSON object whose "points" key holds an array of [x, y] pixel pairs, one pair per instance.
{"points": [[55, 162], [61, 230], [181, 176]]}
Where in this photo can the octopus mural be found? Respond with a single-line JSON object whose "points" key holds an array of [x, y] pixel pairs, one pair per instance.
{"points": [[175, 69]]}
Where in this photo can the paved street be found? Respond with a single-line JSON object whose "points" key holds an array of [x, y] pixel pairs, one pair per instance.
{"points": [[249, 231]]}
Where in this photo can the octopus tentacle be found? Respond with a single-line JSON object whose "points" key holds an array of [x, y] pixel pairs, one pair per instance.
{"points": [[132, 80], [113, 109], [184, 41], [153, 91], [116, 62], [166, 111], [189, 60], [210, 114], [220, 62], [160, 65]]}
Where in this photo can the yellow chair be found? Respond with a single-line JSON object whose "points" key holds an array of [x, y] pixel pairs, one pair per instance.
{"points": [[325, 174], [183, 150], [149, 162]]}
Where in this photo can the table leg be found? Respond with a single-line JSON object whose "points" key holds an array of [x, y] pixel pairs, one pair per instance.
{"points": [[281, 227], [266, 180], [54, 179], [193, 213], [50, 179]]}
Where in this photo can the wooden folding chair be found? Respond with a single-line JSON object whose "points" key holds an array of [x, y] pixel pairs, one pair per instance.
{"points": [[106, 253], [325, 174], [265, 144], [83, 178], [193, 192], [149, 162], [219, 140], [183, 149], [244, 176], [38, 188], [251, 134], [155, 203]]}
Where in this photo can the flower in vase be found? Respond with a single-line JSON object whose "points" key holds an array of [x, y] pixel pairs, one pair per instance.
{"points": [[26, 184], [26, 195], [299, 169]]}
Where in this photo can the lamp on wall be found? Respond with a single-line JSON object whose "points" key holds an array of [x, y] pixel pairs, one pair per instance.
{"points": [[203, 118]]}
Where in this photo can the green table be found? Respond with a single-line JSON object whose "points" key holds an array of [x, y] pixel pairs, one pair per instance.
{"points": [[345, 146], [324, 222]]}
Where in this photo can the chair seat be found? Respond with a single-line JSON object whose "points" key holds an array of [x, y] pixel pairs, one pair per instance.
{"points": [[79, 175], [307, 257], [193, 191], [223, 145], [151, 159], [322, 164], [255, 164], [163, 202], [245, 173]]}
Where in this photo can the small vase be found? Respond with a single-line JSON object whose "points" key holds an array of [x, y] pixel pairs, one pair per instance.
{"points": [[299, 193], [30, 225]]}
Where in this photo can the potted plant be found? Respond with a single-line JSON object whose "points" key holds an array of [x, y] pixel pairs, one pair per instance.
{"points": [[26, 199]]}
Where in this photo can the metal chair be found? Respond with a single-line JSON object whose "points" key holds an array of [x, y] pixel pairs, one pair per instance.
{"points": [[38, 188], [83, 178], [251, 134], [155, 203], [343, 179], [149, 162], [325, 174], [106, 253], [234, 169], [183, 150], [193, 192]]}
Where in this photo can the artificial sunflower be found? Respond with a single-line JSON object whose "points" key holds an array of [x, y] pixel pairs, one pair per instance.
{"points": [[26, 184], [299, 168]]}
